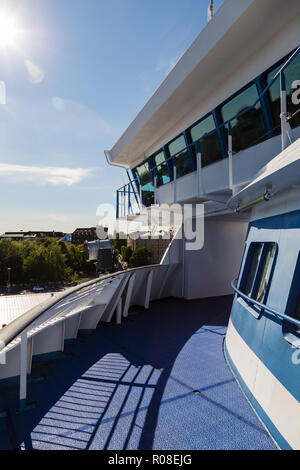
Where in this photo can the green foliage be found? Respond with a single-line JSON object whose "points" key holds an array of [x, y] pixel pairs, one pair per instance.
{"points": [[118, 243], [11, 256], [46, 264], [140, 257], [41, 262], [126, 252]]}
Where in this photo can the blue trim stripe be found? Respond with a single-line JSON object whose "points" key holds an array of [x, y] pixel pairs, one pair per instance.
{"points": [[278, 222], [271, 428]]}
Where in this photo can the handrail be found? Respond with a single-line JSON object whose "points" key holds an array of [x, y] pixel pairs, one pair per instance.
{"points": [[271, 310], [10, 332], [224, 124]]}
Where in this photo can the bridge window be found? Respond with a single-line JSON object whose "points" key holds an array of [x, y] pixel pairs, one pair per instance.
{"points": [[178, 149], [292, 73], [249, 128], [146, 182], [259, 266], [210, 145], [162, 171]]}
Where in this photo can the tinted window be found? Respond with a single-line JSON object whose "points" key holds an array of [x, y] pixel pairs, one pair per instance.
{"points": [[248, 129], [177, 145], [255, 254], [292, 73], [163, 176], [210, 145], [146, 183], [261, 261], [144, 174], [265, 275], [183, 162]]}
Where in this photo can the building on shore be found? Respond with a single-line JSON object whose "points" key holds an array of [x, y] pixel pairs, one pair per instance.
{"points": [[31, 235], [81, 235], [157, 244]]}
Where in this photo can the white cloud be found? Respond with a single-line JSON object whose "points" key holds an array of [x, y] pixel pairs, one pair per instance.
{"points": [[43, 175]]}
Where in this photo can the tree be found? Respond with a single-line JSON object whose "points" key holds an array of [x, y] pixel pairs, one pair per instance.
{"points": [[140, 257], [46, 264], [126, 252], [119, 242], [11, 256], [76, 258]]}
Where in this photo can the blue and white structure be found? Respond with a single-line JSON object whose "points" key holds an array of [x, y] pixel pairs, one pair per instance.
{"points": [[191, 370], [263, 339]]}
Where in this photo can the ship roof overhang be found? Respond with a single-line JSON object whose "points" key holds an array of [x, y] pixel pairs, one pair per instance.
{"points": [[236, 32]]}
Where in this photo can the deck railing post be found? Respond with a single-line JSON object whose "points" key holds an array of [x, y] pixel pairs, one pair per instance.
{"points": [[124, 201], [283, 111], [141, 197], [128, 295], [230, 153], [119, 312], [118, 205], [148, 289], [286, 130], [175, 181], [199, 172], [23, 369]]}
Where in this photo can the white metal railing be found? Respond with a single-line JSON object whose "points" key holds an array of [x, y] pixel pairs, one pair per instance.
{"points": [[45, 328]]}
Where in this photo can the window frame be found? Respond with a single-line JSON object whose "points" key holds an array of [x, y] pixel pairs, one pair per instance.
{"points": [[264, 111], [173, 157], [278, 64], [217, 131], [260, 82], [154, 165], [254, 309]]}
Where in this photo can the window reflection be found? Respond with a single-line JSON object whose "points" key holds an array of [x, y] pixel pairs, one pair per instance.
{"points": [[210, 145], [162, 171], [248, 129], [256, 254], [147, 185], [183, 162], [292, 73], [262, 257], [265, 274]]}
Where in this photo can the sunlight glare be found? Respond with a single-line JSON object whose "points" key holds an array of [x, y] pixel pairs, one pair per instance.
{"points": [[8, 30]]}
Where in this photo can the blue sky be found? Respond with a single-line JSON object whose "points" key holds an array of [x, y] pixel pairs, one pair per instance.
{"points": [[78, 74]]}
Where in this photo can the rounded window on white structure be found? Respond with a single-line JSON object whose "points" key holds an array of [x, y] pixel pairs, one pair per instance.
{"points": [[257, 275]]}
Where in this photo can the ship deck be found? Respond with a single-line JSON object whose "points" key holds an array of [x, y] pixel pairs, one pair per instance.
{"points": [[159, 381]]}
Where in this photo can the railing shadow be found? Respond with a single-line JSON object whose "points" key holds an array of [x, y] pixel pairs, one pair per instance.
{"points": [[108, 394]]}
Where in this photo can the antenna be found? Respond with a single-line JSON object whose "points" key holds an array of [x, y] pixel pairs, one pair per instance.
{"points": [[211, 11]]}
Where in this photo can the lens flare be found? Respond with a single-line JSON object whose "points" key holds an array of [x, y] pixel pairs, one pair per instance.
{"points": [[8, 30]]}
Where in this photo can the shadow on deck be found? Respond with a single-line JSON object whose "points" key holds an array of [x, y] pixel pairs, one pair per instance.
{"points": [[159, 382]]}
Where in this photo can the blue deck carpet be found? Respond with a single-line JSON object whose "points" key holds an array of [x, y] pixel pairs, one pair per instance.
{"points": [[133, 387]]}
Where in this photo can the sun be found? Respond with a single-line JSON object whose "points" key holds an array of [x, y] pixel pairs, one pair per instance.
{"points": [[8, 30]]}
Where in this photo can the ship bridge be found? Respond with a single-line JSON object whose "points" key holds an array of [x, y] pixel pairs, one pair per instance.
{"points": [[215, 121]]}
